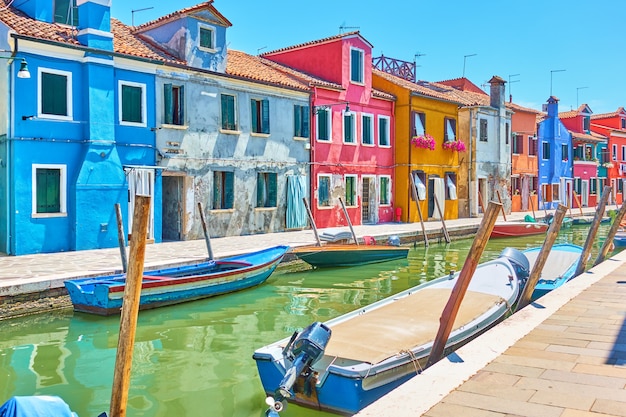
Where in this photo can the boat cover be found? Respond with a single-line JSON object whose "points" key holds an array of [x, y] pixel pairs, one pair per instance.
{"points": [[36, 406]]}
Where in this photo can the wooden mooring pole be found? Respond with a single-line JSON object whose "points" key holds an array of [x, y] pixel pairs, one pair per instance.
{"points": [[345, 212], [535, 272], [419, 209], [443, 222], [130, 308], [121, 237], [313, 226], [593, 230], [205, 229], [501, 205], [460, 288], [608, 243]]}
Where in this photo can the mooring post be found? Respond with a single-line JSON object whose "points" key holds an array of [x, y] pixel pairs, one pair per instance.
{"points": [[312, 221], [419, 209], [130, 308], [460, 288], [593, 230], [608, 243], [535, 272], [345, 212], [205, 229], [121, 239]]}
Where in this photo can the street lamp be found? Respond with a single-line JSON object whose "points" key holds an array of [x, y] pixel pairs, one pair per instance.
{"points": [[346, 112], [552, 72], [23, 72]]}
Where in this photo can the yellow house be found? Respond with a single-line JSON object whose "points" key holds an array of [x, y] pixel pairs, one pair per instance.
{"points": [[428, 146]]}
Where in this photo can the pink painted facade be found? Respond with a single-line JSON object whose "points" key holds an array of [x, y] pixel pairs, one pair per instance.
{"points": [[524, 168], [352, 152], [613, 126]]}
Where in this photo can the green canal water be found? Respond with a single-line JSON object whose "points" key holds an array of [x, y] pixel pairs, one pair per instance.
{"points": [[195, 359]]}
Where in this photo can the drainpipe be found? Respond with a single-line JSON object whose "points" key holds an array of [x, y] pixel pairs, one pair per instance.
{"points": [[471, 145], [408, 197], [312, 150]]}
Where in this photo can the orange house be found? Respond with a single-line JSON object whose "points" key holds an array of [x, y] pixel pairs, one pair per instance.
{"points": [[524, 169]]}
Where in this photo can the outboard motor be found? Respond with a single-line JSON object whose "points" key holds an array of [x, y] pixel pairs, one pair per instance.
{"points": [[519, 261], [303, 350]]}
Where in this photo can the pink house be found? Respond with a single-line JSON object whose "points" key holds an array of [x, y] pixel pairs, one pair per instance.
{"points": [[613, 126], [352, 131]]}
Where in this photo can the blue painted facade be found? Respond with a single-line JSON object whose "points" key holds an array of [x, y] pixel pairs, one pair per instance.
{"points": [[555, 169]]}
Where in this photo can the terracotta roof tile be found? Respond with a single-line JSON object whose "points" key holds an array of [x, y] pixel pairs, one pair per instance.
{"points": [[207, 5], [589, 137], [463, 84], [517, 107], [619, 111], [311, 43]]}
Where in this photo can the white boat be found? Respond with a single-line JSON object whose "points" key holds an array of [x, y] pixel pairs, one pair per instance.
{"points": [[347, 363]]}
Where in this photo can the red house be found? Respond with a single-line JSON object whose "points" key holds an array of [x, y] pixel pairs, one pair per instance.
{"points": [[352, 131], [613, 126]]}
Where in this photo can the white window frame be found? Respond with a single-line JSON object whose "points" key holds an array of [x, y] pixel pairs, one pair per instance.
{"points": [[417, 121], [371, 123], [389, 193], [70, 107], [329, 117], [352, 116], [614, 152], [210, 29], [362, 63], [387, 131], [62, 190], [330, 186], [356, 189], [144, 110], [623, 153]]}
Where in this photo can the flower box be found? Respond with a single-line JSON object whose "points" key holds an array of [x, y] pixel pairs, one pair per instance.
{"points": [[423, 141]]}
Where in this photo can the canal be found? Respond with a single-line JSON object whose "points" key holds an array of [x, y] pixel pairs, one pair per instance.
{"points": [[195, 359]]}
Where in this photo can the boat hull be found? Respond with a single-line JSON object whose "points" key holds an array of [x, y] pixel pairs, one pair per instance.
{"points": [[103, 295], [619, 240], [349, 380], [329, 256], [513, 229], [559, 268]]}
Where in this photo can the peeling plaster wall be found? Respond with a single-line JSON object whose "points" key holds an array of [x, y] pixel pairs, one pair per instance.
{"points": [[200, 149]]}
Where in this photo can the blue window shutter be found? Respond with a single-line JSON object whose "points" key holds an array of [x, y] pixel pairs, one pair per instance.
{"points": [[181, 105], [254, 116], [272, 190], [229, 190], [297, 120], [168, 116], [265, 115], [260, 189], [305, 121]]}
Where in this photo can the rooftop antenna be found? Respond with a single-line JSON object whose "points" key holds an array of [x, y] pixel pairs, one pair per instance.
{"points": [[132, 14], [514, 81], [342, 28], [465, 58], [417, 55], [258, 51], [578, 88]]}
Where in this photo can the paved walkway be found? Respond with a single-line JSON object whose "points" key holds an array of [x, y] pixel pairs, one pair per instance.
{"points": [[563, 356]]}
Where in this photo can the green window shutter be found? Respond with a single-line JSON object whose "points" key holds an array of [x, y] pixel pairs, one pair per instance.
{"points": [[254, 116], [347, 129], [131, 104], [206, 38], [323, 191], [260, 189], [322, 125], [54, 94], [265, 116], [305, 122], [357, 66], [48, 190], [217, 190], [228, 112], [229, 190], [168, 117], [181, 105], [297, 121], [367, 130], [272, 190], [224, 103]]}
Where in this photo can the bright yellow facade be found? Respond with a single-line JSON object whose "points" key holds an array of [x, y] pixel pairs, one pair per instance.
{"points": [[432, 166]]}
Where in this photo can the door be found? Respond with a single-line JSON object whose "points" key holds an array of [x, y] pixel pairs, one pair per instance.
{"points": [[369, 202], [436, 197], [584, 189], [296, 215], [173, 207], [140, 181]]}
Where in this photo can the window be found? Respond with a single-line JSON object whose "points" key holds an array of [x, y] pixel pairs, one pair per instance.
{"points": [[323, 191], [351, 191], [266, 189], [507, 133], [586, 121], [356, 65], [173, 104], [260, 116], [49, 190], [593, 183], [229, 119], [419, 178], [449, 134], [301, 121], [532, 145], [349, 128], [323, 124], [546, 192], [623, 123], [516, 185], [623, 153], [545, 148], [383, 131], [620, 186], [132, 103], [564, 152], [556, 192], [577, 185], [385, 190], [55, 94], [614, 152], [367, 129], [419, 124], [450, 186], [518, 143], [66, 12], [534, 184], [207, 38], [483, 130], [223, 190]]}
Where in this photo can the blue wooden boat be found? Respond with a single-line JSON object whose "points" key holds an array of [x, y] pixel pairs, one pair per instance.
{"points": [[103, 294], [559, 268], [619, 240], [36, 406], [348, 362], [334, 255]]}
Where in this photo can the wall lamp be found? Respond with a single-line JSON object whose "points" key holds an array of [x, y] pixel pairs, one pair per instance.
{"points": [[325, 107], [23, 72], [29, 117]]}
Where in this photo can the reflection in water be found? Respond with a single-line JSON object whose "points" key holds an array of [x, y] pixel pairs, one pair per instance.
{"points": [[196, 358]]}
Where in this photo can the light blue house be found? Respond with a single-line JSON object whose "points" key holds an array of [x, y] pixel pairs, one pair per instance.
{"points": [[555, 159], [110, 111]]}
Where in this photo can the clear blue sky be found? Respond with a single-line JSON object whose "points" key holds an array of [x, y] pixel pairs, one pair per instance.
{"points": [[531, 38]]}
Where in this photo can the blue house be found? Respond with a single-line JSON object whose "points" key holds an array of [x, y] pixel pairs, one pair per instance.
{"points": [[555, 159]]}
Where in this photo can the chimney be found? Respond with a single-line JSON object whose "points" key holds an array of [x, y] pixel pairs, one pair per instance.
{"points": [[553, 107], [94, 24], [497, 92]]}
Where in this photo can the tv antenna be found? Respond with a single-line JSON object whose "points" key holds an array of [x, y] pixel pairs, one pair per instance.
{"points": [[342, 28], [132, 14]]}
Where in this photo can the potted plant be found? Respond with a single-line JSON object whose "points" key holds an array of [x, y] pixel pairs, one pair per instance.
{"points": [[455, 145], [423, 141]]}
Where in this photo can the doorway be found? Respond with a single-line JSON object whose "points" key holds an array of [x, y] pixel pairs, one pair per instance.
{"points": [[173, 207]]}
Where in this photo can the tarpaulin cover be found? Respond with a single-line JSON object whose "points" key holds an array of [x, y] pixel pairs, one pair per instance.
{"points": [[36, 406]]}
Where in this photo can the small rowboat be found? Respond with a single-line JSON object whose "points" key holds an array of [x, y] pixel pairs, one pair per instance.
{"points": [[515, 228], [559, 268], [333, 255], [103, 294]]}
